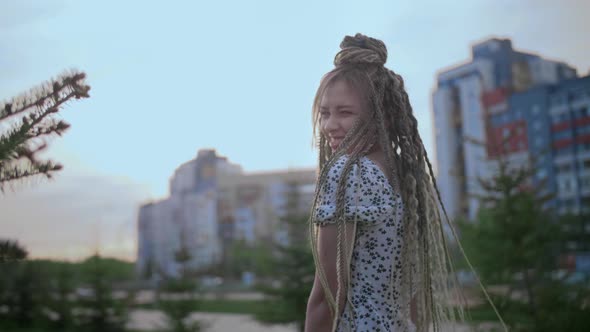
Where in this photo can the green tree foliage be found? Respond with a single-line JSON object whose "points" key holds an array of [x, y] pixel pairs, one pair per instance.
{"points": [[176, 296], [516, 242], [244, 257], [293, 269], [99, 310], [114, 269], [11, 251], [22, 287], [60, 303], [43, 294]]}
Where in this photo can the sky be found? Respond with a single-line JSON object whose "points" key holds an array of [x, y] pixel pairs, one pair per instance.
{"points": [[171, 77]]}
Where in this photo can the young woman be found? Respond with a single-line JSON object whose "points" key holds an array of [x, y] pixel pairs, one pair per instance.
{"points": [[376, 233]]}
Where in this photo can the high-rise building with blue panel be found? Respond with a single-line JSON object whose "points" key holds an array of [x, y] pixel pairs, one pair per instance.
{"points": [[500, 96], [528, 110], [551, 123]]}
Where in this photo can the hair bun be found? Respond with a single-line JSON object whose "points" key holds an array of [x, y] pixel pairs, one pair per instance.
{"points": [[361, 49]]}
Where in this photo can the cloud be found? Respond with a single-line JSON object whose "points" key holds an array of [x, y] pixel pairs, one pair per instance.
{"points": [[18, 13], [25, 46], [73, 215]]}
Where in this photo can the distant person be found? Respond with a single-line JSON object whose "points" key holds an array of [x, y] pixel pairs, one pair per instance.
{"points": [[376, 232]]}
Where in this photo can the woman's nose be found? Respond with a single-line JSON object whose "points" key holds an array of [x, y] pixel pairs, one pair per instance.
{"points": [[330, 124]]}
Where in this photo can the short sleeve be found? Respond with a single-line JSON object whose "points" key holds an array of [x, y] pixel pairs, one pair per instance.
{"points": [[364, 201]]}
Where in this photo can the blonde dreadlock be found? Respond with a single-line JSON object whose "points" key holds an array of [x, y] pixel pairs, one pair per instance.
{"points": [[426, 268]]}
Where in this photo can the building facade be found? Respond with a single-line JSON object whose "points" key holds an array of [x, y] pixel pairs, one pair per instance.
{"points": [[473, 105], [552, 124], [213, 203]]}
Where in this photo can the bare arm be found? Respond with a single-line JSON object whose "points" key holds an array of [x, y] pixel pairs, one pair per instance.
{"points": [[318, 317]]}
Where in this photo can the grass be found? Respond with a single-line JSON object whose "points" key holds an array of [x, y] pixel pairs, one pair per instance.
{"points": [[231, 306], [481, 314], [249, 307], [8, 327]]}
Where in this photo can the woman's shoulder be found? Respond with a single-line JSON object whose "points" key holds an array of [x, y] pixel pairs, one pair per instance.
{"points": [[363, 172], [366, 192], [356, 176]]}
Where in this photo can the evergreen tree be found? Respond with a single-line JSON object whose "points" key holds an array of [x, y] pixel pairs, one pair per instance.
{"points": [[100, 311], [176, 296], [23, 290], [62, 287], [11, 251], [21, 140], [516, 242], [293, 269], [244, 257]]}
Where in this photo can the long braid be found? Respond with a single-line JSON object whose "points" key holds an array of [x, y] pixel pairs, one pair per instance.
{"points": [[437, 241], [441, 238], [413, 192], [392, 161], [415, 272], [413, 157]]}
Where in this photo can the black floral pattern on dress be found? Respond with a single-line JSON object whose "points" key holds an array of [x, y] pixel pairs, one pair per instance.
{"points": [[373, 302]]}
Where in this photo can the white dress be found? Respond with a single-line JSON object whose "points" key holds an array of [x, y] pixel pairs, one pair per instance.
{"points": [[376, 304]]}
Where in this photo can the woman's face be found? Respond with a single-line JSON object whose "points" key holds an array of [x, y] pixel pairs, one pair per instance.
{"points": [[340, 107]]}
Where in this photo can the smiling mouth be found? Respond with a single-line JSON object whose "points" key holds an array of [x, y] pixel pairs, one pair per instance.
{"points": [[334, 143]]}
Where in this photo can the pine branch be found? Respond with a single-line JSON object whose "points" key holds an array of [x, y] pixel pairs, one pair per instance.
{"points": [[13, 173], [38, 105], [47, 95], [28, 129]]}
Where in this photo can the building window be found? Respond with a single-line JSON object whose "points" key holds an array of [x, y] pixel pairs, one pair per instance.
{"points": [[564, 151], [536, 109], [564, 117], [584, 130], [564, 168], [577, 94], [584, 147], [566, 202], [562, 135], [558, 100]]}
